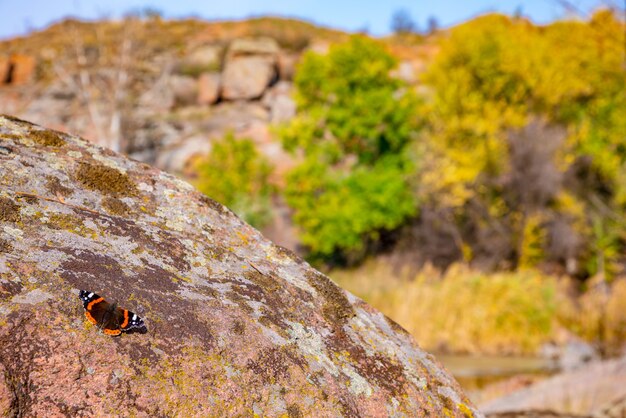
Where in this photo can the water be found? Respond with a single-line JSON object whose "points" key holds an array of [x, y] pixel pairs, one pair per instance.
{"points": [[474, 373]]}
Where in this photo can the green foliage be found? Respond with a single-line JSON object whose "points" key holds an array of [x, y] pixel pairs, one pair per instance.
{"points": [[347, 209], [236, 175], [354, 128]]}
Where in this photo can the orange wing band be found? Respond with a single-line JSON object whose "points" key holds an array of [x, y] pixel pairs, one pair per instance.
{"points": [[125, 323], [93, 302], [91, 318], [112, 331]]}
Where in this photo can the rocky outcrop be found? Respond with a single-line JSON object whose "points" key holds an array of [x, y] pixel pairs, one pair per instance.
{"points": [[236, 325]]}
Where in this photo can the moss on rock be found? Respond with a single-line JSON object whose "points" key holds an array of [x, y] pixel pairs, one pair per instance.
{"points": [[107, 180], [115, 206], [47, 138]]}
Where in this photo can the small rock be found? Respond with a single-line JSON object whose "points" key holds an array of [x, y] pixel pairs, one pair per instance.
{"points": [[208, 88]]}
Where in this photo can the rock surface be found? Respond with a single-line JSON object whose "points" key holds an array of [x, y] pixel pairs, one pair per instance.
{"points": [[208, 88], [237, 326], [589, 390], [251, 66], [185, 90]]}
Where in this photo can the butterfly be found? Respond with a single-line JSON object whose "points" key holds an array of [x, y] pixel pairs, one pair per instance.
{"points": [[108, 317]]}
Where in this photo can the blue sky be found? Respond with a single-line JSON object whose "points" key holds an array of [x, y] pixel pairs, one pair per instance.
{"points": [[18, 17]]}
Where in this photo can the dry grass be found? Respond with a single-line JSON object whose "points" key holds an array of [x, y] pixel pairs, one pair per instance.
{"points": [[465, 311]]}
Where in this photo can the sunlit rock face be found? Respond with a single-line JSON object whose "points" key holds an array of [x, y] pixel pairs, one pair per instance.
{"points": [[236, 325]]}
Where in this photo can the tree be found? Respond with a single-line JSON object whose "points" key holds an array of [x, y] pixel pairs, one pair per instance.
{"points": [[402, 22], [433, 25], [354, 127], [236, 175]]}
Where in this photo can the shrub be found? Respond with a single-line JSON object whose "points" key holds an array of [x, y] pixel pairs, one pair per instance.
{"points": [[236, 175], [354, 128]]}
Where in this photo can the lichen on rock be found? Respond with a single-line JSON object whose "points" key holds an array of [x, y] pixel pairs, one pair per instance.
{"points": [[238, 326]]}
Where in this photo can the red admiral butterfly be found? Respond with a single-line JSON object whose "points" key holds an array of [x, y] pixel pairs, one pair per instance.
{"points": [[110, 318]]}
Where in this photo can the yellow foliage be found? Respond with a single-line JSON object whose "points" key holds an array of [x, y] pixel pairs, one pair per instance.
{"points": [[533, 242], [600, 316]]}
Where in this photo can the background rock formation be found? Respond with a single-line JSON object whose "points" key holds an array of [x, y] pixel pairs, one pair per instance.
{"points": [[237, 325]]}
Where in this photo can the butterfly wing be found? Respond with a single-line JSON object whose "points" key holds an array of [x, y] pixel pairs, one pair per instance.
{"points": [[131, 322], [96, 308], [111, 319]]}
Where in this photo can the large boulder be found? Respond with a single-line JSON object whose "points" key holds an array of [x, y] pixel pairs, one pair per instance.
{"points": [[251, 66], [236, 325]]}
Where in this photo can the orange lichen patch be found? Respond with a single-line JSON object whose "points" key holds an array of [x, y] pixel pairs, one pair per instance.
{"points": [[91, 318]]}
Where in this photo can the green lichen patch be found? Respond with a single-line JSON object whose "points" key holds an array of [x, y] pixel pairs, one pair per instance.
{"points": [[115, 206], [337, 308], [65, 222], [54, 186], [46, 138], [9, 210], [105, 179]]}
